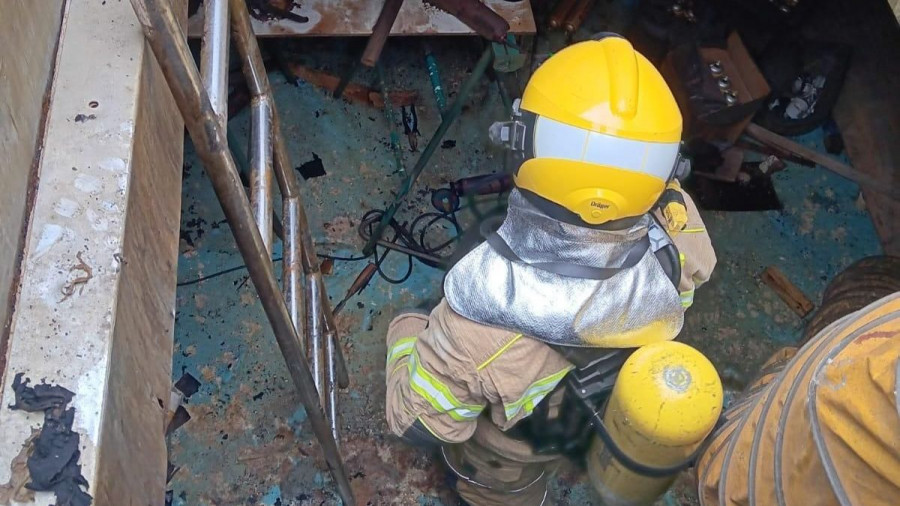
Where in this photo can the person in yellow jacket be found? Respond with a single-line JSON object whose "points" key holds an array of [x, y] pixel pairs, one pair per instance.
{"points": [[588, 257]]}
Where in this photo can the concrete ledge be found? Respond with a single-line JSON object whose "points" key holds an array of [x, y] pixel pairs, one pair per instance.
{"points": [[109, 190]]}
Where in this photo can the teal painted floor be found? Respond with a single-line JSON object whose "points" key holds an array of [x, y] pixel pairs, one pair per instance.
{"points": [[248, 441]]}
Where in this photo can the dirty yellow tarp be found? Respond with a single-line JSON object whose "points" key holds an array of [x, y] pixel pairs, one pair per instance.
{"points": [[819, 426]]}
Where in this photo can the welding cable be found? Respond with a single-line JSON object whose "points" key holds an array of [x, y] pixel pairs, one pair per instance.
{"points": [[406, 237], [414, 237], [274, 259], [367, 224]]}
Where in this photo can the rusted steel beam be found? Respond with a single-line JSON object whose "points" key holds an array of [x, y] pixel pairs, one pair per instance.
{"points": [[170, 48]]}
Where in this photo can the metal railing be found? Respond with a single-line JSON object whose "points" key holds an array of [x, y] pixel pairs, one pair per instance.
{"points": [[203, 105]]}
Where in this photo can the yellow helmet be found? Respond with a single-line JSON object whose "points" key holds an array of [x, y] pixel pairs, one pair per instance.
{"points": [[601, 132]]}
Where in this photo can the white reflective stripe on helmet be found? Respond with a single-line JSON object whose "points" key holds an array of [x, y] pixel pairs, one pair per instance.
{"points": [[553, 139], [437, 394]]}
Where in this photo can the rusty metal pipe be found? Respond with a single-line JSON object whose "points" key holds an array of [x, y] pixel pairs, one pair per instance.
{"points": [[331, 400], [258, 82], [291, 270], [315, 336], [342, 376], [577, 15], [214, 57], [166, 39], [380, 32], [560, 13], [261, 166]]}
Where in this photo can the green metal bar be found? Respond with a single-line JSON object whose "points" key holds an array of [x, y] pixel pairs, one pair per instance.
{"points": [[434, 74], [389, 116], [413, 175]]}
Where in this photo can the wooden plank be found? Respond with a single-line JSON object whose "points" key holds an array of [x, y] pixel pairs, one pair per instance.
{"points": [[357, 17], [868, 110], [867, 181], [787, 291]]}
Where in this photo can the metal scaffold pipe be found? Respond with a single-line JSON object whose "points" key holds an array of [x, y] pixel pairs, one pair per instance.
{"points": [[166, 39], [261, 166], [258, 83], [214, 57]]}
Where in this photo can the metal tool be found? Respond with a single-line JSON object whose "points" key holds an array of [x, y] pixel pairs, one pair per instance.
{"points": [[410, 126], [204, 124], [447, 200], [413, 175], [359, 284]]}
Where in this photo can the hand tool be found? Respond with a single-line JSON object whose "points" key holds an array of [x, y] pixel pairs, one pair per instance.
{"points": [[358, 285], [410, 126]]}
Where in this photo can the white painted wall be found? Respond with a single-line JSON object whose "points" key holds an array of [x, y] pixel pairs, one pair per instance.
{"points": [[28, 34]]}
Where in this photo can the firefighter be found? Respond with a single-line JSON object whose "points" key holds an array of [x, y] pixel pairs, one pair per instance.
{"points": [[588, 257]]}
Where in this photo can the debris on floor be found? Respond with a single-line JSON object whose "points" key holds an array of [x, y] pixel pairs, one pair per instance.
{"points": [[53, 460], [312, 168]]}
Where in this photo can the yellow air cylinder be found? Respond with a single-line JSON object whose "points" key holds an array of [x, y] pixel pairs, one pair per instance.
{"points": [[666, 400]]}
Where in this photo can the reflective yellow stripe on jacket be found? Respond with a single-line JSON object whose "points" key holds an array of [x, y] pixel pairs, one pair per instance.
{"points": [[687, 299], [401, 348], [438, 394], [534, 394]]}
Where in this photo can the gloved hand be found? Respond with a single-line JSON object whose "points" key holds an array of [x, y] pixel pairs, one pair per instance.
{"points": [[673, 208]]}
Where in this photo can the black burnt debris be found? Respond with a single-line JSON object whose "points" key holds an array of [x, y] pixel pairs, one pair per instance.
{"points": [[312, 168], [53, 465]]}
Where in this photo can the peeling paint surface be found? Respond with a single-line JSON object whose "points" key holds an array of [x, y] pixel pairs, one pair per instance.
{"points": [[248, 441]]}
